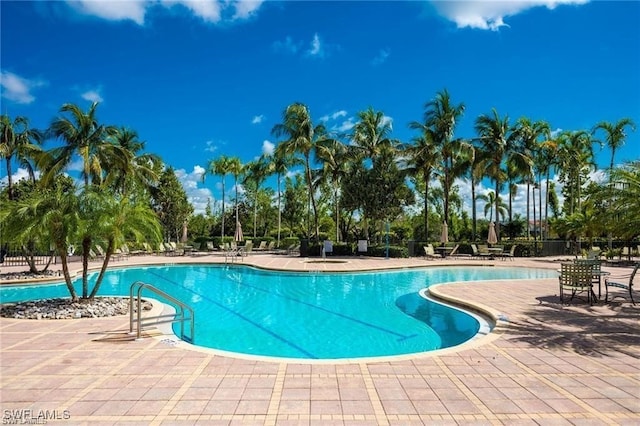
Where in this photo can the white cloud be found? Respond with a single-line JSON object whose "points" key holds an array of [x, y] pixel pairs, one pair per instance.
{"points": [[92, 96], [381, 57], [18, 89], [287, 45], [136, 10], [316, 48], [191, 181], [346, 125], [211, 146], [18, 175], [489, 15], [257, 119], [555, 132], [334, 116], [246, 8], [268, 147]]}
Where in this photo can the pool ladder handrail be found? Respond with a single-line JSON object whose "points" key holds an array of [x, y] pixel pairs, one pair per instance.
{"points": [[179, 316]]}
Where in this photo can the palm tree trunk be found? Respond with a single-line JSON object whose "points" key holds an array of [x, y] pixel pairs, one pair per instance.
{"points": [[105, 263], [9, 179], [426, 208], [86, 246], [546, 206], [473, 208], [540, 204], [279, 212], [60, 247], [497, 223], [335, 197], [311, 197], [222, 230], [528, 205]]}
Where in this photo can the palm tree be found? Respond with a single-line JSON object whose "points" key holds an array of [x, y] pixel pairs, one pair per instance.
{"points": [[220, 166], [256, 172], [279, 164], [334, 157], [371, 133], [529, 133], [614, 135], [499, 143], [423, 159], [19, 141], [575, 156], [301, 138], [491, 200], [129, 166], [83, 135], [442, 116], [236, 169]]}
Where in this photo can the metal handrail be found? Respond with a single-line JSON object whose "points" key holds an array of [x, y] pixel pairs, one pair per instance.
{"points": [[178, 317]]}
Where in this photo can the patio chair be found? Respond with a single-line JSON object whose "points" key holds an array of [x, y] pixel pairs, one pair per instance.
{"points": [[293, 249], [483, 251], [429, 252], [454, 251], [271, 247], [511, 253], [262, 246], [608, 282], [246, 250], [576, 278]]}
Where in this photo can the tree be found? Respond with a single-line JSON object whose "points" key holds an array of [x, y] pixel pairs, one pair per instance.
{"points": [[334, 157], [490, 202], [130, 168], [423, 158], [220, 166], [371, 134], [614, 135], [442, 116], [18, 141], [170, 204], [575, 157], [279, 164], [236, 169], [85, 136], [301, 137], [499, 143], [256, 172]]}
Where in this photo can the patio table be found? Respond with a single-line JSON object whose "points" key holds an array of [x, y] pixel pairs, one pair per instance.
{"points": [[444, 250]]}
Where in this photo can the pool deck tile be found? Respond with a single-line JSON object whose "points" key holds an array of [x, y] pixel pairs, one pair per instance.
{"points": [[543, 364]]}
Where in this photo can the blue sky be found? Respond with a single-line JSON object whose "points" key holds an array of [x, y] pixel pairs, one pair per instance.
{"points": [[201, 79]]}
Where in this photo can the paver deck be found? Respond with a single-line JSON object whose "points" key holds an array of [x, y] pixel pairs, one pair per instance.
{"points": [[543, 364]]}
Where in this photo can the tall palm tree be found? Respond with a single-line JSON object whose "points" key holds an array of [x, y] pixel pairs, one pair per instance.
{"points": [[492, 201], [236, 168], [423, 158], [18, 141], [130, 166], [256, 172], [614, 135], [220, 166], [334, 157], [442, 116], [371, 133], [499, 143], [279, 164], [83, 135], [530, 134], [301, 137], [575, 156]]}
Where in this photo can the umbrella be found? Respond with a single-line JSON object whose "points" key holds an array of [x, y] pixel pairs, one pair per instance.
{"points": [[185, 236], [238, 236], [492, 238], [444, 237]]}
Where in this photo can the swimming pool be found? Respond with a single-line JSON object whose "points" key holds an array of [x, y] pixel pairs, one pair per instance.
{"points": [[305, 315]]}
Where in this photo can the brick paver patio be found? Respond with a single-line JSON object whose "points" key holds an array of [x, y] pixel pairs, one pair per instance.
{"points": [[543, 364]]}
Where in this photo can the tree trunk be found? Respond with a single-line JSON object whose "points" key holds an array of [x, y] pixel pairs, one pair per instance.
{"points": [[473, 207], [105, 263], [497, 223], [426, 207], [279, 212], [65, 271], [86, 246]]}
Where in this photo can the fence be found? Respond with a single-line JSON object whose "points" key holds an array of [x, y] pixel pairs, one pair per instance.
{"points": [[15, 256]]}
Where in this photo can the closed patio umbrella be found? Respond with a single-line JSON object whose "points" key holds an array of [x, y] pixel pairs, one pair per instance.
{"points": [[185, 235], [492, 238], [444, 236], [238, 236]]}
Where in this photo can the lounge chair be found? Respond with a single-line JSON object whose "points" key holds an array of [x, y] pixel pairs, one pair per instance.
{"points": [[511, 253], [246, 250], [210, 246], [293, 249], [262, 246], [429, 252], [271, 247], [454, 252], [608, 282]]}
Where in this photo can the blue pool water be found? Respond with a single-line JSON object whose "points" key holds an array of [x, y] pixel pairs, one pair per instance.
{"points": [[305, 315]]}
